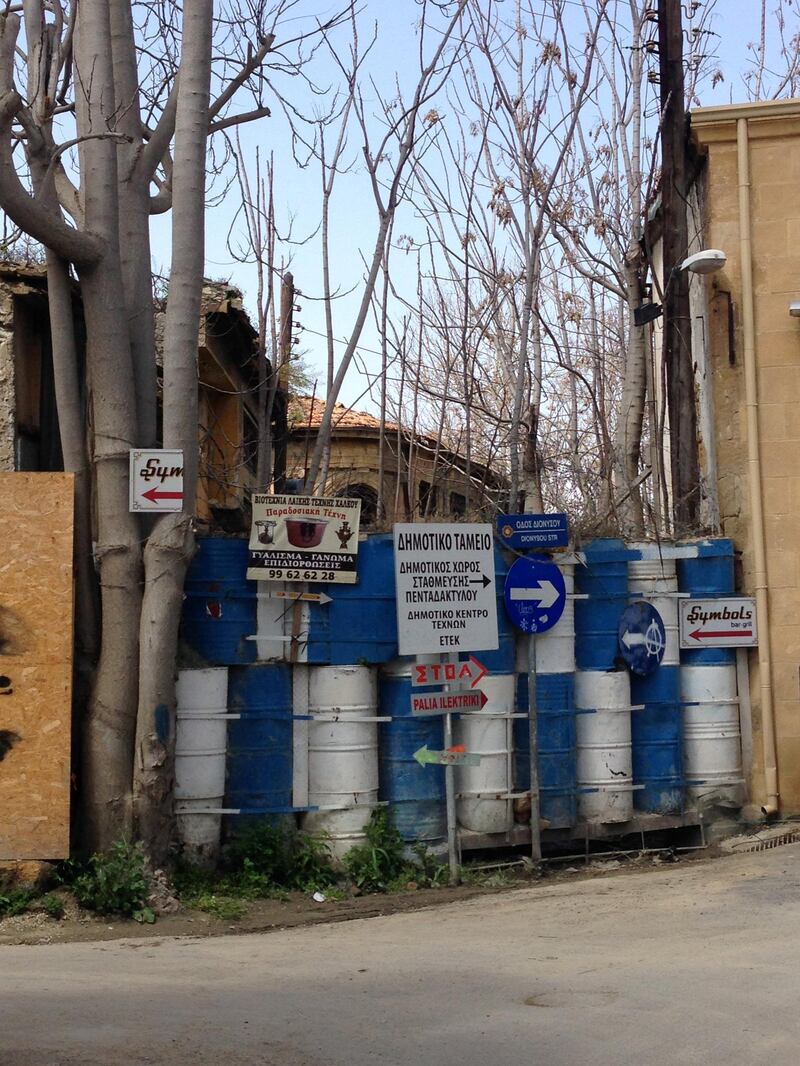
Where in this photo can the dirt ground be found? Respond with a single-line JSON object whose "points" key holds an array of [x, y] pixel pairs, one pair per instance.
{"points": [[77, 925]]}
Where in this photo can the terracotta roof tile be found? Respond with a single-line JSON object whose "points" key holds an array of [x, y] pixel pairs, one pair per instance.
{"points": [[307, 412]]}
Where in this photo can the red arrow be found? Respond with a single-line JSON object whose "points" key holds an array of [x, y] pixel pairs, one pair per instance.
{"points": [[154, 495], [700, 634], [482, 671]]}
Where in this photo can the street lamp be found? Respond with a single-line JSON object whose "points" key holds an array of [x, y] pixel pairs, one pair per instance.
{"points": [[708, 261]]}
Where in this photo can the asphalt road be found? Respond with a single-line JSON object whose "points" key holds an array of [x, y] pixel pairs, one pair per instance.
{"points": [[692, 964]]}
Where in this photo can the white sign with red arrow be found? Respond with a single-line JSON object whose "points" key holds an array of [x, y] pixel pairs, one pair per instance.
{"points": [[728, 622], [448, 671], [156, 480], [447, 702]]}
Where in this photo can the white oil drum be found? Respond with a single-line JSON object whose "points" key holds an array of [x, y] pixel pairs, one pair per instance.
{"points": [[487, 733], [656, 580], [342, 753], [200, 749], [712, 743], [605, 763]]}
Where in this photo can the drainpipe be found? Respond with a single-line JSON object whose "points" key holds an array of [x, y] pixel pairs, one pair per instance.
{"points": [[754, 475]]}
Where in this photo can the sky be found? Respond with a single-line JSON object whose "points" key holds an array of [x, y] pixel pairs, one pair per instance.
{"points": [[353, 217]]}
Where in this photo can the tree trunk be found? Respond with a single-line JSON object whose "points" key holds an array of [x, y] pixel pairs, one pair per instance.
{"points": [[170, 546], [629, 426], [110, 723], [134, 224]]}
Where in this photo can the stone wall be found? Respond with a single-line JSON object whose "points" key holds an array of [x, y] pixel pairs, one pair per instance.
{"points": [[774, 152]]}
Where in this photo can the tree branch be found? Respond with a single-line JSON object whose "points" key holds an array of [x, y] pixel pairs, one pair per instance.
{"points": [[237, 120], [250, 67], [43, 224]]}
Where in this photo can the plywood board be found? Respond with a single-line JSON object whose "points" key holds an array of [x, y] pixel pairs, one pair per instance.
{"points": [[36, 605]]}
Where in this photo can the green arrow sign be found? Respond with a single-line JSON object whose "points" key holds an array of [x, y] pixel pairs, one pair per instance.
{"points": [[425, 757]]}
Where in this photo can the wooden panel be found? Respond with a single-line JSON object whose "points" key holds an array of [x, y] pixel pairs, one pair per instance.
{"points": [[35, 664]]}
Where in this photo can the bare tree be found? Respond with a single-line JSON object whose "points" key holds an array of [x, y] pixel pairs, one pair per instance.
{"points": [[113, 120], [386, 163]]}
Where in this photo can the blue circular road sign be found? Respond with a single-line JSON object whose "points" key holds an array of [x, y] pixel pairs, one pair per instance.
{"points": [[642, 638], [535, 594]]}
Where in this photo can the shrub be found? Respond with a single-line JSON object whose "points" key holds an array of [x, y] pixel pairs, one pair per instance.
{"points": [[281, 857], [15, 901], [52, 905], [115, 882], [379, 860]]}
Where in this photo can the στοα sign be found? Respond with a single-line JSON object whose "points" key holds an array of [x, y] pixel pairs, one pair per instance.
{"points": [[718, 623], [448, 671], [446, 594]]}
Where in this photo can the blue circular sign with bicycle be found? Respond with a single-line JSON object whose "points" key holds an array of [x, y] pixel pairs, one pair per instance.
{"points": [[642, 638], [535, 594]]}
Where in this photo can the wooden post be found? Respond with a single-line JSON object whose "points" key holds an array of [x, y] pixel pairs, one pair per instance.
{"points": [[284, 355], [684, 461]]}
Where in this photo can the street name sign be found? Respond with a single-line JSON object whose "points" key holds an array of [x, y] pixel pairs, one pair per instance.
{"points": [[452, 757], [728, 622], [447, 702], [448, 671], [524, 532], [642, 637], [156, 480], [535, 594], [446, 595]]}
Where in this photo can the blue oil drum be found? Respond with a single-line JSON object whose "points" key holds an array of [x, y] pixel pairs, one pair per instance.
{"points": [[415, 793], [259, 767], [360, 624], [709, 574], [605, 579], [219, 610], [558, 769], [657, 740]]}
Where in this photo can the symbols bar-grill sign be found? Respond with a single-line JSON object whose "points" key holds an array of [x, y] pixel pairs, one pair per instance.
{"points": [[446, 594]]}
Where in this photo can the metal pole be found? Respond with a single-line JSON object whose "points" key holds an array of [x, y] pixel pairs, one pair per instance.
{"points": [[450, 795], [533, 723]]}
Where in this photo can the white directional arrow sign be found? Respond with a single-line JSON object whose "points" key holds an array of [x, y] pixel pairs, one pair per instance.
{"points": [[545, 594], [630, 640], [534, 594]]}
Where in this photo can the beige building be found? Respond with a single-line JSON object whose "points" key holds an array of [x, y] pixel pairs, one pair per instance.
{"points": [[751, 211], [420, 478]]}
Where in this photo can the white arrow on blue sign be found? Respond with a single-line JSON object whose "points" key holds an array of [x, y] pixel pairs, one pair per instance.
{"points": [[535, 594], [642, 637]]}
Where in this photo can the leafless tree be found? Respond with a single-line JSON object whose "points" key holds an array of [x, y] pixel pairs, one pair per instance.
{"points": [[108, 111]]}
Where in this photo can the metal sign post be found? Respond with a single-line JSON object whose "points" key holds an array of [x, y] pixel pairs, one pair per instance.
{"points": [[533, 725], [450, 798]]}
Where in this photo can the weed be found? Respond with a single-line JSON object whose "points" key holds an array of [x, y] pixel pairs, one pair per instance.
{"points": [[379, 861], [482, 878], [311, 867], [222, 907], [114, 882], [15, 901], [282, 857], [52, 905], [431, 873]]}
